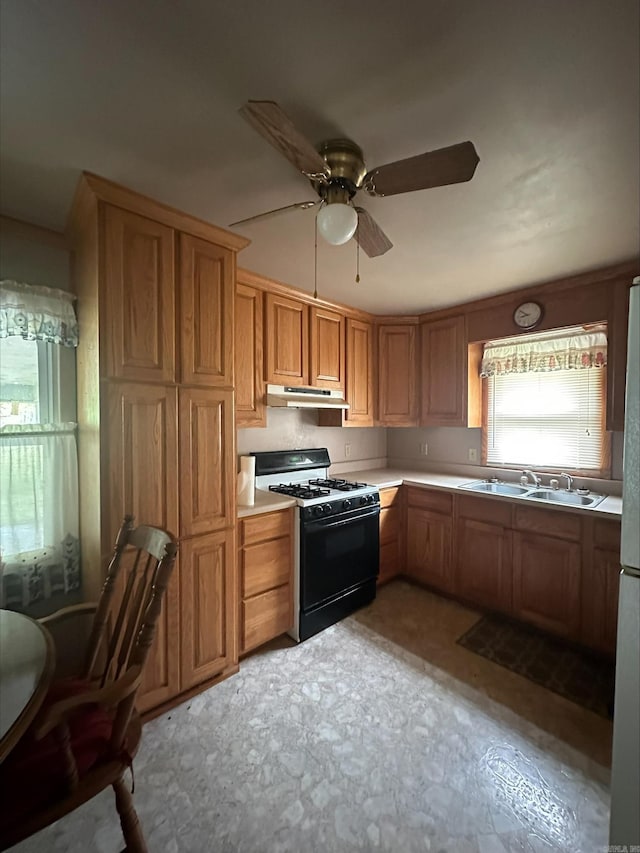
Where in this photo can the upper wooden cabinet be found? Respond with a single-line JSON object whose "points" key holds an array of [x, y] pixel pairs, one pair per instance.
{"points": [[137, 327], [249, 378], [327, 354], [207, 277], [451, 390], [287, 341], [359, 389], [397, 397]]}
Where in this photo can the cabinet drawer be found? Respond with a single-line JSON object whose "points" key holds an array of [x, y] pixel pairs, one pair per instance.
{"points": [[480, 509], [549, 522], [266, 565], [388, 497], [606, 534], [425, 499], [266, 616], [389, 524], [271, 525]]}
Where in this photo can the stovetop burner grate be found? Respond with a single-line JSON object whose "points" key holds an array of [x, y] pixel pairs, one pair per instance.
{"points": [[339, 485], [297, 490]]}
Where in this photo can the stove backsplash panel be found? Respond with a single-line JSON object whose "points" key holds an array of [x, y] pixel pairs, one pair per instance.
{"points": [[290, 429]]}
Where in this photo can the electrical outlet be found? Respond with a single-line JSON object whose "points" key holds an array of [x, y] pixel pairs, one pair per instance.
{"points": [[473, 454], [347, 451], [424, 448]]}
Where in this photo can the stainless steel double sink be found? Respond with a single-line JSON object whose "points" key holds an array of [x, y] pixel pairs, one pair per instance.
{"points": [[529, 493]]}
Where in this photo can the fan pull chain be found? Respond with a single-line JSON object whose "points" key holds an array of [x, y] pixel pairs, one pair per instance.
{"points": [[357, 262], [315, 262]]}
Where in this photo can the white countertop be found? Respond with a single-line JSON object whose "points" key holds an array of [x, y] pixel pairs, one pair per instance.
{"points": [[385, 478], [265, 501]]}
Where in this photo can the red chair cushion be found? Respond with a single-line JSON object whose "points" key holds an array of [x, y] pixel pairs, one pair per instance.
{"points": [[32, 775]]}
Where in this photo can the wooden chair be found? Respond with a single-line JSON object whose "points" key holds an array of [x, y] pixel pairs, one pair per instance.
{"points": [[88, 731]]}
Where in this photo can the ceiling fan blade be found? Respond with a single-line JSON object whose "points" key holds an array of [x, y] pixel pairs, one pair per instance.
{"points": [[274, 124], [371, 238], [452, 165], [300, 205]]}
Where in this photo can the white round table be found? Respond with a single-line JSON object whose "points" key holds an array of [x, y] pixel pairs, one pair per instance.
{"points": [[27, 663]]}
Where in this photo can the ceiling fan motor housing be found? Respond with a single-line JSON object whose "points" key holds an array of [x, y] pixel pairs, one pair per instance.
{"points": [[346, 163]]}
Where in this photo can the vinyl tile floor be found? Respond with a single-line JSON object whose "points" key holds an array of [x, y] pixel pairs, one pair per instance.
{"points": [[380, 733]]}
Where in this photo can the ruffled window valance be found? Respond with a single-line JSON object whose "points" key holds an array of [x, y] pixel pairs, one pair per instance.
{"points": [[566, 349], [37, 313]]}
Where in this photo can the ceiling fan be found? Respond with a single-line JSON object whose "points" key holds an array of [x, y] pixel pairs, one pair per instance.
{"points": [[337, 172]]}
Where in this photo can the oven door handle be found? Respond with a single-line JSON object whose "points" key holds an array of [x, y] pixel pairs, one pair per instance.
{"points": [[324, 524]]}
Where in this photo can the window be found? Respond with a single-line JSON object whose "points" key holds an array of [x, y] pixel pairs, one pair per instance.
{"points": [[39, 546], [545, 401]]}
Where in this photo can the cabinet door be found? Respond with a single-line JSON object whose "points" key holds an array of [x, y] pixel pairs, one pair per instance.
{"points": [[161, 678], [359, 390], [390, 520], [207, 274], [546, 582], [483, 571], [139, 298], [207, 474], [397, 401], [250, 408], [443, 374], [208, 605], [287, 341], [141, 461], [600, 600], [429, 548], [327, 349]]}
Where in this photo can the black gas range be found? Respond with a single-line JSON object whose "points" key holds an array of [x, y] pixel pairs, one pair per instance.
{"points": [[337, 536]]}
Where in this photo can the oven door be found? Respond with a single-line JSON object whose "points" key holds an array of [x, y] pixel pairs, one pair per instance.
{"points": [[338, 554]]}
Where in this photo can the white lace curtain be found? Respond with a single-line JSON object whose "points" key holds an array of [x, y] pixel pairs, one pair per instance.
{"points": [[39, 535], [545, 352]]}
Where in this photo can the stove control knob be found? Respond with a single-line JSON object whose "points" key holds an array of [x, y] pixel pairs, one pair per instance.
{"points": [[346, 505], [364, 500], [328, 509], [318, 510]]}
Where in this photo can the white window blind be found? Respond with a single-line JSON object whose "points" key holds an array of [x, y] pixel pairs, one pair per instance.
{"points": [[537, 416], [546, 419]]}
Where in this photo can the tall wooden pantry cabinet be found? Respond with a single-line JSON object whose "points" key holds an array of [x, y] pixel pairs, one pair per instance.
{"points": [[155, 409]]}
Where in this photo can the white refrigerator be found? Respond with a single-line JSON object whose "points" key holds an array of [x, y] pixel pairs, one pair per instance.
{"points": [[624, 828]]}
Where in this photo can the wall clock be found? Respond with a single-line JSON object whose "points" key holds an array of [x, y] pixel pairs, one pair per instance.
{"points": [[527, 315]]}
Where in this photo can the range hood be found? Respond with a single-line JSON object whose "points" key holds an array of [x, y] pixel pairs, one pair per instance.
{"points": [[286, 397]]}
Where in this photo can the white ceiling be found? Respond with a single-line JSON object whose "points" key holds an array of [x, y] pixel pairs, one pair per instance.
{"points": [[146, 93]]}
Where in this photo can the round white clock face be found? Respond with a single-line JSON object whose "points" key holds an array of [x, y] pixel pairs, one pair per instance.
{"points": [[527, 315]]}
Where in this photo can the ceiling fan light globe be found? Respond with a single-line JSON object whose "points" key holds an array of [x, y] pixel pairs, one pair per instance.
{"points": [[337, 223]]}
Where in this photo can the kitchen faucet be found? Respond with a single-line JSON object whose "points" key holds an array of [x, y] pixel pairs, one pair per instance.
{"points": [[537, 481], [569, 480]]}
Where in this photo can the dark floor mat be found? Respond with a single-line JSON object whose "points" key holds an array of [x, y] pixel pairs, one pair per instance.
{"points": [[574, 674]]}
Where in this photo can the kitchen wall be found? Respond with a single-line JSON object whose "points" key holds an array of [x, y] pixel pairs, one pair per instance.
{"points": [[449, 446], [33, 262], [295, 429]]}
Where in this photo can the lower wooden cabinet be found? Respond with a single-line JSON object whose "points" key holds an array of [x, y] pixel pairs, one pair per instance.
{"points": [[429, 536], [207, 607], [265, 559], [483, 570], [558, 570], [600, 587], [161, 679], [391, 538], [546, 582]]}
